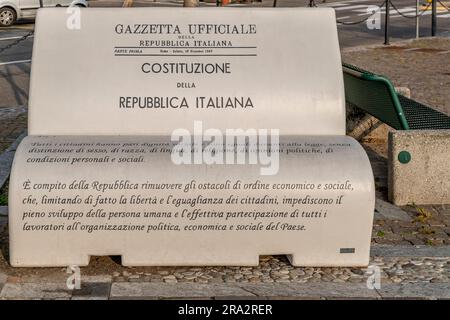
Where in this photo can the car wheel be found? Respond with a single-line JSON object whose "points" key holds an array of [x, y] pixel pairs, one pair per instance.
{"points": [[7, 17]]}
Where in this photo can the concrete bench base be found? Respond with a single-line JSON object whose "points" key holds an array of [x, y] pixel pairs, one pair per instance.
{"points": [[419, 167]]}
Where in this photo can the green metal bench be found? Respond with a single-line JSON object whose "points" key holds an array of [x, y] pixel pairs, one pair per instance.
{"points": [[376, 95]]}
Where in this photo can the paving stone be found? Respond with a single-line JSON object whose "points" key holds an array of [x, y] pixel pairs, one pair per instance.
{"points": [[410, 251], [89, 298], [92, 291], [34, 291], [178, 290], [416, 291], [96, 278], [377, 216], [390, 211], [239, 298], [312, 290]]}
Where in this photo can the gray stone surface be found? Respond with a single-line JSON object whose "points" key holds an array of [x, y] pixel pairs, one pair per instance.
{"points": [[377, 216], [409, 251], [177, 290], [35, 291], [416, 291], [401, 278], [92, 291], [390, 211], [89, 298], [312, 290], [3, 278], [96, 279], [426, 178], [3, 211], [6, 159]]}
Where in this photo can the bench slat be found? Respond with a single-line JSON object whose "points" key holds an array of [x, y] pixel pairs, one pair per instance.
{"points": [[420, 116]]}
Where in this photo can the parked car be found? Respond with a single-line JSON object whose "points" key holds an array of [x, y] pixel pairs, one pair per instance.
{"points": [[13, 10]]}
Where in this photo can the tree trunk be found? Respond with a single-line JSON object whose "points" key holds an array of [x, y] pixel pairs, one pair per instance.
{"points": [[190, 3]]}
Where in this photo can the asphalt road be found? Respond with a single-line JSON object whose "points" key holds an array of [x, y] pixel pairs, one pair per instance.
{"points": [[401, 27], [15, 66], [15, 62]]}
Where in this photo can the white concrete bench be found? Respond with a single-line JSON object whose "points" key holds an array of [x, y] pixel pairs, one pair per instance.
{"points": [[96, 174]]}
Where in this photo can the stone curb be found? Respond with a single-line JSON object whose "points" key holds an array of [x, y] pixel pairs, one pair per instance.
{"points": [[389, 211], [34, 291], [55, 290], [93, 291], [378, 45], [3, 279], [275, 291], [317, 290], [154, 291], [410, 251], [148, 290], [428, 291]]}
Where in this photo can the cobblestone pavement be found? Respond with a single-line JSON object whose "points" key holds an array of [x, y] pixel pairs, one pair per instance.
{"points": [[405, 269], [404, 272], [13, 122]]}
